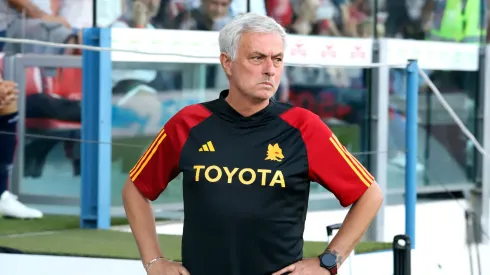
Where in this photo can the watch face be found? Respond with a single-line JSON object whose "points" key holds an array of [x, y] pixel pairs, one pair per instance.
{"points": [[328, 260]]}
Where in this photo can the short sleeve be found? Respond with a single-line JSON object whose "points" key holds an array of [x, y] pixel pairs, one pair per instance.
{"points": [[159, 164], [329, 162], [332, 165]]}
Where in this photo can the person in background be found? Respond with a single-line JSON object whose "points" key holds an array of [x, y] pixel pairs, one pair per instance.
{"points": [[210, 15], [42, 20], [10, 206], [108, 11], [78, 13], [13, 10], [35, 20], [137, 108], [239, 7], [132, 87]]}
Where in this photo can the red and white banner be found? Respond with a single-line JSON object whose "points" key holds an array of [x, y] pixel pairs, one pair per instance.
{"points": [[201, 47]]}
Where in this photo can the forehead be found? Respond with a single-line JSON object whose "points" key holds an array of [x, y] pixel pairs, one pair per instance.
{"points": [[266, 43]]}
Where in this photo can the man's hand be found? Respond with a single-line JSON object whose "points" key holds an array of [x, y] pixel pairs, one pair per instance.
{"points": [[8, 96], [164, 267], [304, 267]]}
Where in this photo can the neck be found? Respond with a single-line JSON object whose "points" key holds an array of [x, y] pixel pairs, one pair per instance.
{"points": [[244, 105]]}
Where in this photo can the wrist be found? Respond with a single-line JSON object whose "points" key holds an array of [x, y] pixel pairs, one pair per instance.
{"points": [[149, 263], [330, 261], [150, 253]]}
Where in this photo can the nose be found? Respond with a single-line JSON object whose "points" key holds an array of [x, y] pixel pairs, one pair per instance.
{"points": [[269, 68]]}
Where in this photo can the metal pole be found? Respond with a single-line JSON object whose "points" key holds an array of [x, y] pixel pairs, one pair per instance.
{"points": [[94, 13], [402, 260], [428, 133], [375, 24], [95, 195], [378, 133], [483, 198], [411, 140]]}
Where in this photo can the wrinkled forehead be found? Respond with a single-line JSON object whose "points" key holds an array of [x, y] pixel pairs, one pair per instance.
{"points": [[270, 44]]}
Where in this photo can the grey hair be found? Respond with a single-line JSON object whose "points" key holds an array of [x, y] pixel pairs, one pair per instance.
{"points": [[230, 35]]}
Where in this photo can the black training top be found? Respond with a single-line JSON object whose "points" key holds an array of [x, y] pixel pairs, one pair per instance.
{"points": [[246, 182]]}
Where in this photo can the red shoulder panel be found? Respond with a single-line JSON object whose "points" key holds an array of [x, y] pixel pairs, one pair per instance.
{"points": [[160, 163]]}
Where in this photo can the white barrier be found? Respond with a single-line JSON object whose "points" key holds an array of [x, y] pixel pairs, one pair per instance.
{"points": [[175, 46]]}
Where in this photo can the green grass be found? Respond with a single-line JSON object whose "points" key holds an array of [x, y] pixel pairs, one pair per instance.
{"points": [[48, 223], [59, 235]]}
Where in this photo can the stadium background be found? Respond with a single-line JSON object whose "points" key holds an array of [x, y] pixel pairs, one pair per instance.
{"points": [[146, 93]]}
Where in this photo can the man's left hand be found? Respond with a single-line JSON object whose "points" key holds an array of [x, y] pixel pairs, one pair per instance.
{"points": [[304, 267]]}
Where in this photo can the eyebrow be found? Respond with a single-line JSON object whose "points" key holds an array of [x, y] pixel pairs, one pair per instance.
{"points": [[263, 54]]}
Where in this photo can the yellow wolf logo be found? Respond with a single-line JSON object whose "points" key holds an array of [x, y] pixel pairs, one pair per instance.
{"points": [[274, 152]]}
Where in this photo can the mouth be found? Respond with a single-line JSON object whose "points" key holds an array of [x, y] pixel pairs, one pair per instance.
{"points": [[267, 84]]}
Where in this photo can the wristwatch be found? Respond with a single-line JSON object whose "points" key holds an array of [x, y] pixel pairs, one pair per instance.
{"points": [[328, 260]]}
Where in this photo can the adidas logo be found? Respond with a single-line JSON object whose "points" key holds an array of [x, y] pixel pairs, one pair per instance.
{"points": [[208, 147]]}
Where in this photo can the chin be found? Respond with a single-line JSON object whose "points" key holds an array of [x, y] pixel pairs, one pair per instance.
{"points": [[265, 94], [262, 97], [258, 95]]}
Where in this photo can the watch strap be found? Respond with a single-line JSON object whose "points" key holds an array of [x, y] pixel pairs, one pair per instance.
{"points": [[333, 270]]}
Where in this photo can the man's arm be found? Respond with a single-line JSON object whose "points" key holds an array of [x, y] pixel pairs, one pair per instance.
{"points": [[151, 175], [342, 174], [142, 222], [148, 178], [356, 223], [30, 9], [332, 166]]}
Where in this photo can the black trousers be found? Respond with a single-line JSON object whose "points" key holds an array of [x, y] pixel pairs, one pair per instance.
{"points": [[44, 106], [49, 107]]}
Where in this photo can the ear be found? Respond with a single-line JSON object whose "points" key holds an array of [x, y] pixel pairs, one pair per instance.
{"points": [[270, 147], [276, 146], [226, 63]]}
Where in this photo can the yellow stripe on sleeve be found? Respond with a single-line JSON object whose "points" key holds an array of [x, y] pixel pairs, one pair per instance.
{"points": [[346, 158], [133, 178], [356, 162], [144, 156]]}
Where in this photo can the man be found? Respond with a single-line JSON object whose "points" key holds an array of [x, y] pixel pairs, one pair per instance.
{"points": [[9, 205], [247, 162]]}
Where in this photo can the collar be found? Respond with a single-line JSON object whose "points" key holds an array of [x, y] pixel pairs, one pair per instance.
{"points": [[230, 114]]}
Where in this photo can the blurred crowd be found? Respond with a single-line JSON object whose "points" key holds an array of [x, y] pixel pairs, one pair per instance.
{"points": [[337, 95], [61, 20]]}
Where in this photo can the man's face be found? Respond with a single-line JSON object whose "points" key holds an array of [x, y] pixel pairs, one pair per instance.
{"points": [[257, 69], [216, 8]]}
